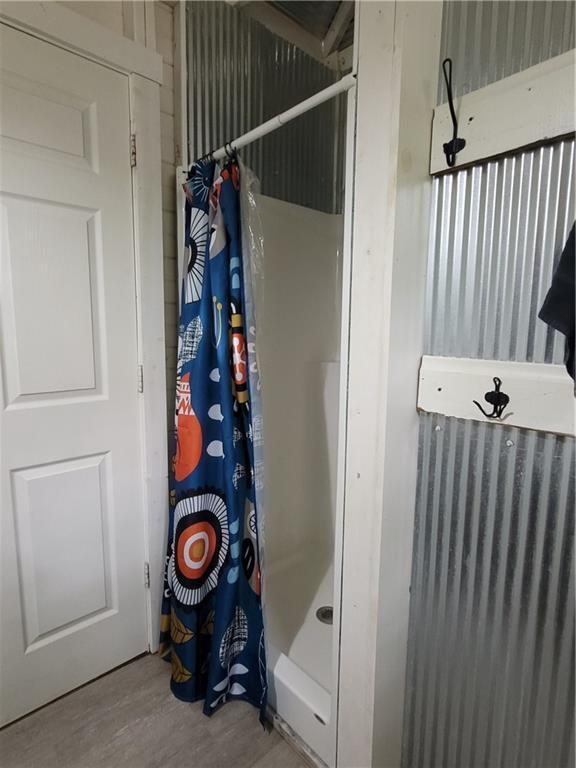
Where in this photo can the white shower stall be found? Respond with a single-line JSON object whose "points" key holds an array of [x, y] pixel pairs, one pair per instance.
{"points": [[235, 65], [300, 369]]}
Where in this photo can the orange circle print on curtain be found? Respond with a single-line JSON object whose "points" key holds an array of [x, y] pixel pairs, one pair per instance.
{"points": [[189, 432], [200, 545]]}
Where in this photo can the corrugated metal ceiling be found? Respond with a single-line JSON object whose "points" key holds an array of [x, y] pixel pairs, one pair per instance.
{"points": [[315, 17]]}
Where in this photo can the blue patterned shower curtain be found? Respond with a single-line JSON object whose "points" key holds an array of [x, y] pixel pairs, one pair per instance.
{"points": [[211, 625]]}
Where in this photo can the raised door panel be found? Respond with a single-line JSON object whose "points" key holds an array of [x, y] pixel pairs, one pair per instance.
{"points": [[63, 546], [49, 259], [46, 122]]}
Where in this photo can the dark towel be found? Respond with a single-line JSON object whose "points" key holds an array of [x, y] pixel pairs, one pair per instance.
{"points": [[559, 309]]}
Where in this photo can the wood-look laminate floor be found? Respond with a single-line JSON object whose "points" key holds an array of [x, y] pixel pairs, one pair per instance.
{"points": [[129, 719]]}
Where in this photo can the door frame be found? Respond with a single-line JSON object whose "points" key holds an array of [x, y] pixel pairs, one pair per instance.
{"points": [[75, 33]]}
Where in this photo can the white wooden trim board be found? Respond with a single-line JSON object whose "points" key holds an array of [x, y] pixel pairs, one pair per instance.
{"points": [[531, 106], [57, 24], [147, 206], [541, 395]]}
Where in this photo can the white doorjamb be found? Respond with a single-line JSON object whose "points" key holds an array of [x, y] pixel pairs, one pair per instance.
{"points": [[398, 60], [147, 206], [69, 30]]}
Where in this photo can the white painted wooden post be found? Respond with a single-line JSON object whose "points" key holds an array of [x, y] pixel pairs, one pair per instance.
{"points": [[398, 46]]}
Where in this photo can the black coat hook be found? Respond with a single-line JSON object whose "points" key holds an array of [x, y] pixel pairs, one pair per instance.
{"points": [[497, 399], [451, 148]]}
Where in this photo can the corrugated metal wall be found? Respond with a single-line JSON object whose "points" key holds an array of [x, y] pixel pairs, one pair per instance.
{"points": [[491, 669], [241, 74], [491, 40], [490, 678], [497, 229]]}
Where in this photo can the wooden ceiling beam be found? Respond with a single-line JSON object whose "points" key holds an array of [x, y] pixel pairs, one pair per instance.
{"points": [[338, 27]]}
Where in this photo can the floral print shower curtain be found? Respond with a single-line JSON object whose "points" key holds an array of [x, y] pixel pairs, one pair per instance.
{"points": [[211, 625]]}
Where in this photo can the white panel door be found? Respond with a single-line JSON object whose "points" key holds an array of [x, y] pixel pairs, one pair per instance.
{"points": [[72, 521]]}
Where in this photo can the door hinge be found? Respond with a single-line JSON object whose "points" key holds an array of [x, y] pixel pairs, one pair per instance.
{"points": [[140, 379], [132, 150], [147, 575]]}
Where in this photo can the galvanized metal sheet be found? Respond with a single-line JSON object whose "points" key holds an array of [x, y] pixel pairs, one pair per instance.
{"points": [[491, 655], [497, 232], [241, 74], [491, 40], [490, 677]]}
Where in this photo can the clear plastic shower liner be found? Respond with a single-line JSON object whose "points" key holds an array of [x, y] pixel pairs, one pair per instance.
{"points": [[253, 252]]}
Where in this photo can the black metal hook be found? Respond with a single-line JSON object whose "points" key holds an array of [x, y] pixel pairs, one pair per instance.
{"points": [[208, 156], [497, 399], [451, 148]]}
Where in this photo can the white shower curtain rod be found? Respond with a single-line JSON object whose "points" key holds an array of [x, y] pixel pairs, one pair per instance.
{"points": [[344, 84]]}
